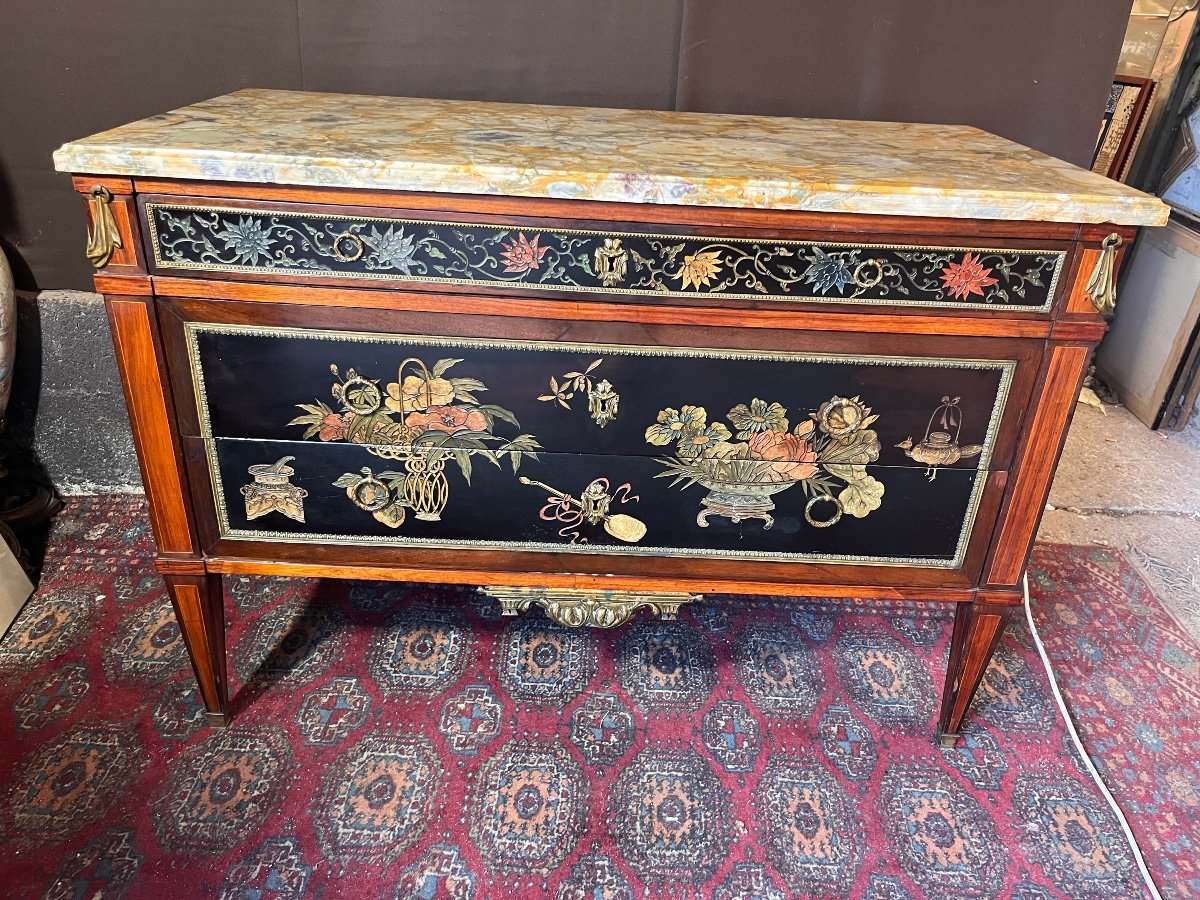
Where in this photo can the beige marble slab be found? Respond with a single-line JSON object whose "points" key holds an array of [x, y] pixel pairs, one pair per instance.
{"points": [[638, 156]]}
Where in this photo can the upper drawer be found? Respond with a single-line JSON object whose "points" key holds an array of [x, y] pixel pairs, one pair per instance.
{"points": [[497, 398], [600, 260]]}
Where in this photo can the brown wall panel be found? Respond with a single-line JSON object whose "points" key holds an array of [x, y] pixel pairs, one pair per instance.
{"points": [[69, 69], [577, 52], [1035, 71]]}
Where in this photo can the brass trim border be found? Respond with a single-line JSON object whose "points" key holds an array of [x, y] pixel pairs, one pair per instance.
{"points": [[152, 230], [577, 608], [192, 329]]}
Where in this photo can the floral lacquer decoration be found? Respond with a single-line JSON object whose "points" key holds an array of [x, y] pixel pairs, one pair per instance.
{"points": [[422, 419], [827, 453], [522, 255], [624, 262], [962, 279]]}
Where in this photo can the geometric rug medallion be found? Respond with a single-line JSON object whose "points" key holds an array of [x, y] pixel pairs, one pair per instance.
{"points": [[407, 741]]}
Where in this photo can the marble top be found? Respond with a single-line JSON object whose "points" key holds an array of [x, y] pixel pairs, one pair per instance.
{"points": [[580, 153]]}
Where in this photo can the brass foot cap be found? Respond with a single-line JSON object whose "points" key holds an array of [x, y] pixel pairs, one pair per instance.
{"points": [[217, 719], [948, 741]]}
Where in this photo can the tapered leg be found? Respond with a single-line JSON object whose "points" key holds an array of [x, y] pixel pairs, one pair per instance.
{"points": [[977, 630], [199, 603]]}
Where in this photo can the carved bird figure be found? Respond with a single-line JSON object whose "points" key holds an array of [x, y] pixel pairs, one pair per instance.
{"points": [[937, 450]]}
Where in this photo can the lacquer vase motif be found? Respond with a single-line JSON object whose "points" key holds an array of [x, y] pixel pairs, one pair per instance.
{"points": [[827, 454]]}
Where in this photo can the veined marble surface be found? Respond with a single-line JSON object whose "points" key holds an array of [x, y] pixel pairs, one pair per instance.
{"points": [[580, 153]]}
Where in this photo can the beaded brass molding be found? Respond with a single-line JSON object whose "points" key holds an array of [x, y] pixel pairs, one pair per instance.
{"points": [[577, 608]]}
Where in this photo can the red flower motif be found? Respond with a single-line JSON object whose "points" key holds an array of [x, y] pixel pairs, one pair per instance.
{"points": [[448, 419], [522, 254], [966, 278], [792, 457], [334, 426]]}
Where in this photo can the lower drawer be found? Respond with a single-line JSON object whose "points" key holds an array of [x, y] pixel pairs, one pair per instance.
{"points": [[309, 493]]}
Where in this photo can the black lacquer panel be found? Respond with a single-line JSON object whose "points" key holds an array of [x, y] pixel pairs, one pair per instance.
{"points": [[919, 521], [412, 439], [220, 239]]}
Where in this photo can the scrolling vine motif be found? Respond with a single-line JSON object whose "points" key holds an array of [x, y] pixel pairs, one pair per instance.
{"points": [[217, 239]]}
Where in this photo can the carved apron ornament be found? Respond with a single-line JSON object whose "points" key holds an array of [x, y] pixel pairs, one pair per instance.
{"points": [[273, 492]]}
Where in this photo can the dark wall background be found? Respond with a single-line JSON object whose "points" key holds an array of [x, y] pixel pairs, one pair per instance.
{"points": [[1034, 71]]}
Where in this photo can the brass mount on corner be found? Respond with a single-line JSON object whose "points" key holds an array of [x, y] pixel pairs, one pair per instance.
{"points": [[104, 237]]}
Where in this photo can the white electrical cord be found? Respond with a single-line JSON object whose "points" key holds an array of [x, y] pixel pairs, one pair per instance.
{"points": [[1083, 754]]}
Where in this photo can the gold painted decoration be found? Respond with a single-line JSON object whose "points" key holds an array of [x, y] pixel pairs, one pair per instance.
{"points": [[272, 491], [104, 237], [938, 448], [421, 420], [580, 607], [826, 453], [593, 508], [603, 400]]}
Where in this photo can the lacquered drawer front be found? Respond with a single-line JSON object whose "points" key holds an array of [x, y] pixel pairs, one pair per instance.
{"points": [[465, 442], [345, 495], [291, 241]]}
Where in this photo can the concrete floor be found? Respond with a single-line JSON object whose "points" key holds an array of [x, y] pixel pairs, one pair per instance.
{"points": [[1125, 486]]}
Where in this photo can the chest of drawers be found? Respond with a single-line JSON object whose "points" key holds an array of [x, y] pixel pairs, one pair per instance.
{"points": [[595, 361]]}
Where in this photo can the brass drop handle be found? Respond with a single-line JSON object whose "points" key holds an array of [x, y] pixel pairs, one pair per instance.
{"points": [[1102, 286], [104, 237]]}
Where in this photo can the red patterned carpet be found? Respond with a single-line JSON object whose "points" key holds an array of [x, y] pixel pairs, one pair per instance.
{"points": [[1132, 679], [407, 742]]}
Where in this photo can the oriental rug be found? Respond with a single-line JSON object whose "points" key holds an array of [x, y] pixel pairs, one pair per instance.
{"points": [[1131, 676], [406, 741]]}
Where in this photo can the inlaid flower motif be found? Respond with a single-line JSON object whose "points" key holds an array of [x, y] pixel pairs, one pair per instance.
{"points": [[695, 443], [523, 255], [247, 239], [697, 271], [392, 249], [417, 393], [675, 424], [792, 456], [841, 416], [448, 419], [334, 426], [966, 278], [758, 416], [825, 271]]}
